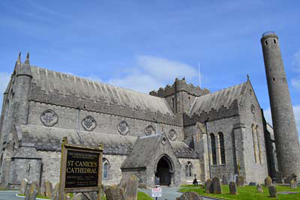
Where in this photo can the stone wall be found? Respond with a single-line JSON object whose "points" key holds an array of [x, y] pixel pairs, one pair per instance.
{"points": [[68, 118], [224, 126], [114, 171], [195, 170], [250, 114]]}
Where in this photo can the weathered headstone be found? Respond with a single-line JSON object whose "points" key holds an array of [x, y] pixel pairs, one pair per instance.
{"points": [[259, 188], [225, 180], [240, 182], [55, 193], [80, 196], [208, 186], [49, 189], [130, 187], [232, 188], [230, 178], [114, 193], [272, 191], [32, 192], [43, 189], [268, 181], [23, 187], [217, 185], [293, 184], [279, 178], [190, 196]]}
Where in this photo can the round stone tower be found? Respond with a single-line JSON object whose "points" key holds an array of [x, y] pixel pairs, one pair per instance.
{"points": [[285, 131]]}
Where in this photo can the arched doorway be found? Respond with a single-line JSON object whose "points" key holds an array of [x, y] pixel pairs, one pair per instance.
{"points": [[164, 171]]}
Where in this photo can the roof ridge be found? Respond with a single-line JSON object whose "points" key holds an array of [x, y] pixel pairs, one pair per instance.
{"points": [[94, 81]]}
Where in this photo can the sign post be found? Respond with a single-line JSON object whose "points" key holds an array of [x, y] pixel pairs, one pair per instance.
{"points": [[80, 169], [156, 192]]}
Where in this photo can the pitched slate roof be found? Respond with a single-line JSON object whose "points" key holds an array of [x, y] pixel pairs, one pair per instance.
{"points": [[216, 100], [69, 90], [49, 139], [142, 152]]}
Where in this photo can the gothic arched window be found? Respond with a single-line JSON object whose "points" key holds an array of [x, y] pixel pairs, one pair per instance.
{"points": [[254, 137], [222, 148], [188, 169], [259, 146], [105, 168], [213, 149]]}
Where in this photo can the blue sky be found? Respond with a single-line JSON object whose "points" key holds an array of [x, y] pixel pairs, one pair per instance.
{"points": [[144, 45]]}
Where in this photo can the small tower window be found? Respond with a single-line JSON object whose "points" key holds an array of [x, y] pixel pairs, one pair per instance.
{"points": [[274, 41], [266, 42]]}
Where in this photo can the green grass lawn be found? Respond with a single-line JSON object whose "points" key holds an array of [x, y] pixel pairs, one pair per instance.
{"points": [[246, 193]]}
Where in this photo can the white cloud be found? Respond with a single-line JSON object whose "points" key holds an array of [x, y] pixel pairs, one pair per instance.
{"points": [[162, 69], [296, 61], [150, 73], [4, 79], [296, 83]]}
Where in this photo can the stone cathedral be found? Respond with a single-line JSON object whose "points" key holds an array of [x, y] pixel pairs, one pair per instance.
{"points": [[177, 133]]}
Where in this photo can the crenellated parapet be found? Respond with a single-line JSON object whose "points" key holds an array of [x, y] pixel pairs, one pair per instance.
{"points": [[178, 86]]}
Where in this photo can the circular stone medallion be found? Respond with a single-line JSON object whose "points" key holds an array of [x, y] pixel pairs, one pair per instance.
{"points": [[123, 128], [89, 123], [149, 130], [49, 118], [172, 135]]}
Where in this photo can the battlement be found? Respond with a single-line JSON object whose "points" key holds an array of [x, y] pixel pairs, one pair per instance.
{"points": [[178, 86]]}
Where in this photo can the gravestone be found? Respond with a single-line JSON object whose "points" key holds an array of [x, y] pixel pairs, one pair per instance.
{"points": [[293, 184], [268, 181], [208, 186], [225, 180], [130, 187], [231, 178], [80, 196], [32, 192], [259, 188], [279, 176], [43, 189], [217, 185], [272, 191], [49, 188], [23, 187], [240, 181], [114, 193], [190, 196], [55, 193], [232, 188]]}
